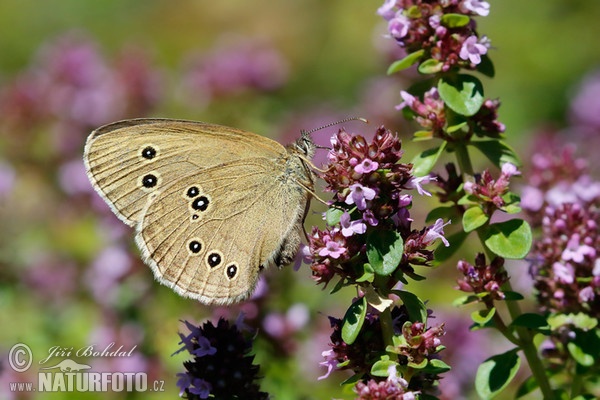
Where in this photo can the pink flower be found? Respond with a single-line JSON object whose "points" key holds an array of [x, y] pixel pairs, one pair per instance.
{"points": [[436, 231], [366, 166], [416, 182], [564, 272], [509, 170], [472, 49], [398, 26], [349, 228], [476, 7], [387, 9], [330, 362], [359, 195], [332, 249]]}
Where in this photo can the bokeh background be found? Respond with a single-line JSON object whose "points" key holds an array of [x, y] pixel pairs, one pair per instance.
{"points": [[70, 274]]}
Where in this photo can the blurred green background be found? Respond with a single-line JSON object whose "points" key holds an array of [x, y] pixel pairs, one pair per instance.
{"points": [[70, 275]]}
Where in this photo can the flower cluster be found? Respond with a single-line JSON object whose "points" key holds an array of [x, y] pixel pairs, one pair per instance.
{"points": [[366, 350], [483, 278], [393, 388], [445, 30], [490, 193], [415, 344], [430, 114], [418, 342], [566, 265], [557, 176], [368, 182], [222, 367]]}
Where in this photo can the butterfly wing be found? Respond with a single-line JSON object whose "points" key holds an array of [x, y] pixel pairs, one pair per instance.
{"points": [[130, 161], [212, 205], [208, 235]]}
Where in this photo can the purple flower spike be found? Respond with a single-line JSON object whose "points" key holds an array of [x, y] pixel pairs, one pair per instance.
{"points": [[359, 195]]}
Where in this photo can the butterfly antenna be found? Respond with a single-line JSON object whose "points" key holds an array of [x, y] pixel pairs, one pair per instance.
{"points": [[306, 133]]}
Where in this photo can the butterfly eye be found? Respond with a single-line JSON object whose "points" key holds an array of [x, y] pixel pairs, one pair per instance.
{"points": [[148, 152], [214, 259], [149, 181], [195, 246], [231, 271], [200, 203], [192, 191]]}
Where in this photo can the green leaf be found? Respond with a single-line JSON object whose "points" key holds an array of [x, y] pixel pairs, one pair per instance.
{"points": [[528, 386], [455, 20], [579, 320], [457, 127], [509, 239], [442, 253], [415, 307], [482, 317], [463, 300], [353, 320], [430, 66], [406, 62], [532, 321], [509, 295], [462, 93], [473, 218], [486, 66], [352, 380], [436, 366], [420, 365], [368, 274], [424, 162], [338, 286], [421, 136], [496, 373], [381, 367], [384, 251], [333, 215], [497, 152], [580, 355]]}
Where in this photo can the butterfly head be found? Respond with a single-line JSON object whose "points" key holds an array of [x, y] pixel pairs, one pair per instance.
{"points": [[305, 145]]}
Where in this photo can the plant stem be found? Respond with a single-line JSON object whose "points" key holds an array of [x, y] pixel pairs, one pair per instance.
{"points": [[387, 329], [529, 350], [463, 159]]}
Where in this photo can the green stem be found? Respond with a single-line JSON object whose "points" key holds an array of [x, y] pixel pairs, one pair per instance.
{"points": [[387, 329], [463, 159], [529, 349]]}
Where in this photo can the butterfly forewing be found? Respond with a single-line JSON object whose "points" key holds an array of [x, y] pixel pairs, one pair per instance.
{"points": [[129, 161]]}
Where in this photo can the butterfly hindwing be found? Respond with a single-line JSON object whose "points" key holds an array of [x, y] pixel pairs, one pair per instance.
{"points": [[207, 235]]}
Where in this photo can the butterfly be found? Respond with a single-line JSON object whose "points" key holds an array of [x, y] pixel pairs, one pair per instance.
{"points": [[212, 206]]}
